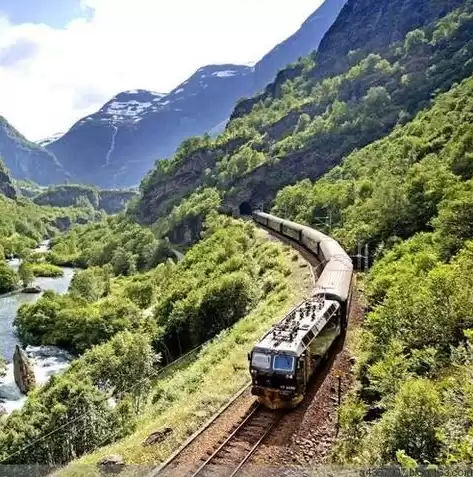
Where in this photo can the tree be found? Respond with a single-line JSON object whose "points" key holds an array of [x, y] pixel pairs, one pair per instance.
{"points": [[414, 39], [91, 284], [26, 273], [8, 278], [412, 425]]}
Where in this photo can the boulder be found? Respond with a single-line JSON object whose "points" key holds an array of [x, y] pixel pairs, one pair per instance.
{"points": [[32, 289], [23, 371], [157, 436], [112, 464]]}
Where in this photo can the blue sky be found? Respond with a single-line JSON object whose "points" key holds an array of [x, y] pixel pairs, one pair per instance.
{"points": [[60, 60], [55, 13]]}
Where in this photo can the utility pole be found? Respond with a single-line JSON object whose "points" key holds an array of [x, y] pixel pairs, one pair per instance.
{"points": [[339, 399], [362, 257]]}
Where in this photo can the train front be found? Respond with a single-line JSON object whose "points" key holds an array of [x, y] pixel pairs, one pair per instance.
{"points": [[275, 379]]}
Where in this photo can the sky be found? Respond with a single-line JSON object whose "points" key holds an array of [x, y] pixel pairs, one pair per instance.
{"points": [[61, 60]]}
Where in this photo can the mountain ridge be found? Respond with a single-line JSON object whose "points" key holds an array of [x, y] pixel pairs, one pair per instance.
{"points": [[94, 152], [27, 160], [305, 125]]}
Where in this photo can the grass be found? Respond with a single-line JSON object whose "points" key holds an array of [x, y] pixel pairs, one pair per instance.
{"points": [[188, 397], [46, 270]]}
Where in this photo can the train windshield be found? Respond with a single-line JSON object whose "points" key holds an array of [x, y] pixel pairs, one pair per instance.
{"points": [[283, 363], [261, 361]]}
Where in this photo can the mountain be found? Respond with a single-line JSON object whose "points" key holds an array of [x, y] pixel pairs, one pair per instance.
{"points": [[117, 145], [27, 160], [362, 27], [301, 43], [319, 110]]}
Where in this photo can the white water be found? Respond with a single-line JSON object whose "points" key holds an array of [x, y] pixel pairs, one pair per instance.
{"points": [[47, 360], [112, 145]]}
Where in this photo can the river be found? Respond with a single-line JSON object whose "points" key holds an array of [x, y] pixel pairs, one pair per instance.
{"points": [[47, 360]]}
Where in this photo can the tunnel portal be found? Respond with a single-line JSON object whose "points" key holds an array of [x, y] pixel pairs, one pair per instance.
{"points": [[245, 208]]}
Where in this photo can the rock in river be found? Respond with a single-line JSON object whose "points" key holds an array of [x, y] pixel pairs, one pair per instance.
{"points": [[33, 289], [23, 371]]}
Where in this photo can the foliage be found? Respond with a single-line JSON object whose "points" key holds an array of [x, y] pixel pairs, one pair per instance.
{"points": [[77, 404], [8, 278], [394, 187], [409, 197], [127, 246], [181, 305], [188, 216], [23, 224], [26, 273], [75, 322], [208, 291], [187, 396]]}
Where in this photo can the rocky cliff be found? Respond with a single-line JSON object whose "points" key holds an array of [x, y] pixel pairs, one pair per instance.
{"points": [[112, 201], [23, 371], [68, 196], [6, 185]]}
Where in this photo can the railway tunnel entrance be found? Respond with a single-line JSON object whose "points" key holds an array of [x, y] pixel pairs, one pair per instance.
{"points": [[245, 208]]}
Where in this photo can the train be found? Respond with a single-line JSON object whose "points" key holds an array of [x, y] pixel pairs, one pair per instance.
{"points": [[285, 358]]}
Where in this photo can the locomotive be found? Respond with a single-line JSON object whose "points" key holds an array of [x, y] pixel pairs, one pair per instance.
{"points": [[285, 358]]}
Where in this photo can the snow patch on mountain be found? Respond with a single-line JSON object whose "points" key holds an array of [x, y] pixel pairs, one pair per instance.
{"points": [[48, 140], [129, 108], [225, 74]]}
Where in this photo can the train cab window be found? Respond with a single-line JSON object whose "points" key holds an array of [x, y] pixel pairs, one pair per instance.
{"points": [[283, 363], [261, 361]]}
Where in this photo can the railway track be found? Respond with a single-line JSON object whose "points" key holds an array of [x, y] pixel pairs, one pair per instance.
{"points": [[229, 455], [235, 450]]}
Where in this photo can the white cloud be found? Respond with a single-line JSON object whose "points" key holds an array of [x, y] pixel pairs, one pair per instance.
{"points": [[127, 44]]}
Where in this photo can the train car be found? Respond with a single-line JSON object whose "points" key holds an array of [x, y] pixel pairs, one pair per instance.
{"points": [[275, 223], [335, 283], [282, 362], [261, 217], [268, 220], [292, 230]]}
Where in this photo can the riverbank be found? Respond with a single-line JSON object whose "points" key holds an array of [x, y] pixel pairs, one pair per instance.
{"points": [[47, 361]]}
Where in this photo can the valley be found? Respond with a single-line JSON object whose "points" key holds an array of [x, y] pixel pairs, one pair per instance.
{"points": [[358, 126]]}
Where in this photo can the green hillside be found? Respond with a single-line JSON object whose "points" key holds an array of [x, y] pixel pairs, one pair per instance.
{"points": [[409, 196], [310, 122]]}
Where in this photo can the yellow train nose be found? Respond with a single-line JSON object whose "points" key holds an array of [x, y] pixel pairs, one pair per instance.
{"points": [[274, 399]]}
